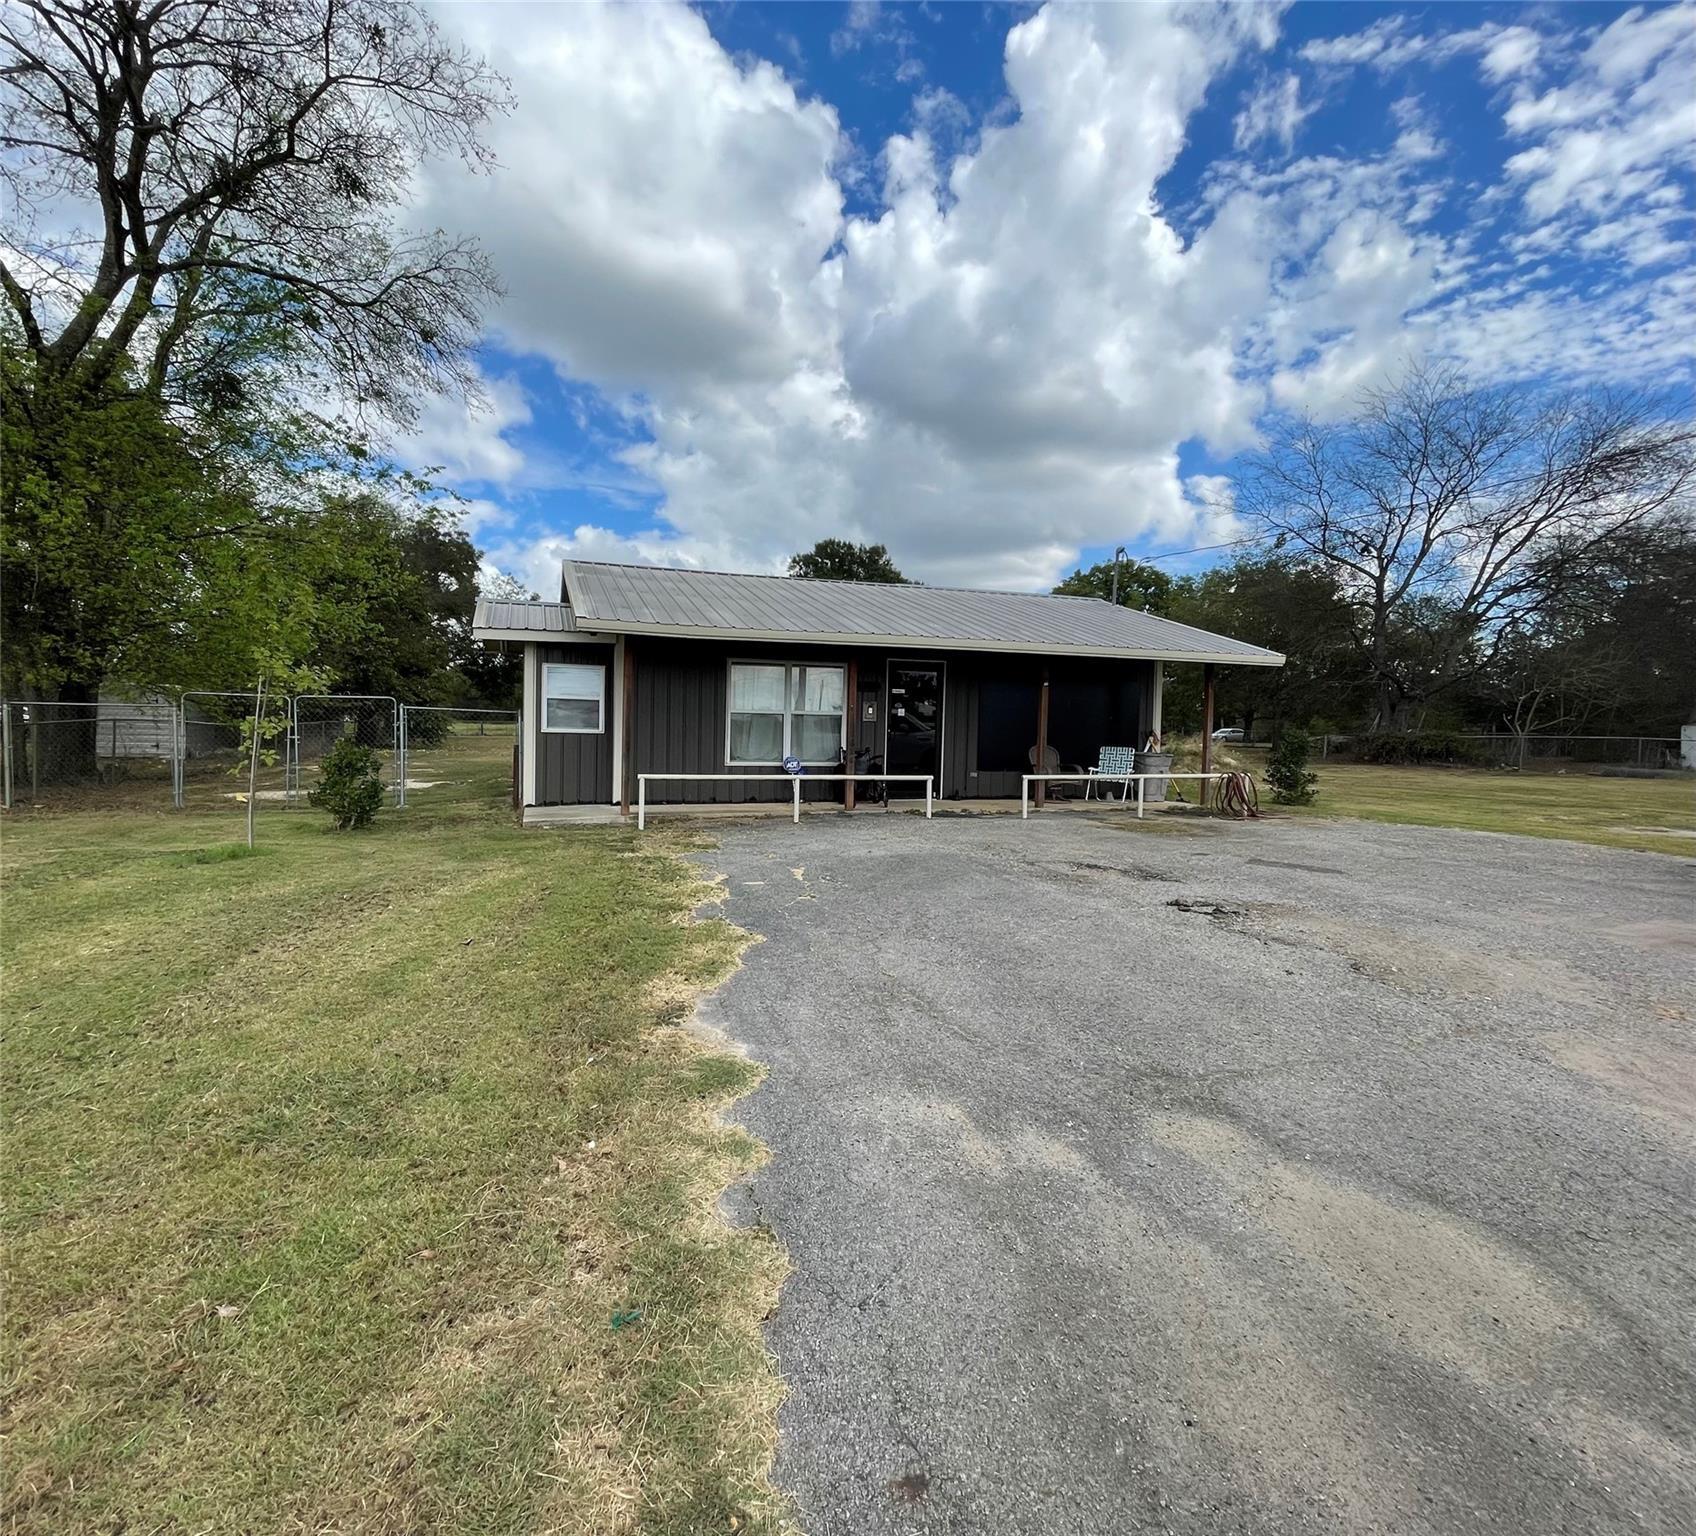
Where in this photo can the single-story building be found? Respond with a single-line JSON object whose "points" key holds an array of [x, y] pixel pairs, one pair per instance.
{"points": [[651, 669]]}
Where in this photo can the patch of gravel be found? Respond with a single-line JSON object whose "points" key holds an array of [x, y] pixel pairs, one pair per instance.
{"points": [[1275, 1178]]}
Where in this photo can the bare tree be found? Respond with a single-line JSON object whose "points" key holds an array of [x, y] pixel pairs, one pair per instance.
{"points": [[200, 183], [1550, 683], [1455, 514]]}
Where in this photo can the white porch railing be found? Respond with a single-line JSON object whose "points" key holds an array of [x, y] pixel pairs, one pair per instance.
{"points": [[1139, 779], [796, 778]]}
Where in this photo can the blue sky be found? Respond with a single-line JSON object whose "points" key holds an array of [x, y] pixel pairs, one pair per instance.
{"points": [[1002, 286]]}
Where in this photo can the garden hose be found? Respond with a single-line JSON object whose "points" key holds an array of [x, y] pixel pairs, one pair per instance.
{"points": [[1238, 796]]}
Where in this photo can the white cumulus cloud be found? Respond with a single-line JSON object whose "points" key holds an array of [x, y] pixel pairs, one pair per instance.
{"points": [[998, 365]]}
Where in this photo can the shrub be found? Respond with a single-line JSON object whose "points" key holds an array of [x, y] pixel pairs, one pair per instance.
{"points": [[1286, 769], [1420, 747], [347, 785]]}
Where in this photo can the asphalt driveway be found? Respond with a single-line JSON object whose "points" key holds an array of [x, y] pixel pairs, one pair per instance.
{"points": [[1209, 1178]]}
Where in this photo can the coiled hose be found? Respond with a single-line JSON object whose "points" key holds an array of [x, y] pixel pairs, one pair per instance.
{"points": [[1238, 797]]}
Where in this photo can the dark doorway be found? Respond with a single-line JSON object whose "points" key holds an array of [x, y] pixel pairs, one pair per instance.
{"points": [[913, 723]]}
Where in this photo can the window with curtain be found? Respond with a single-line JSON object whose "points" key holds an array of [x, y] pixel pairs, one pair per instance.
{"points": [[573, 698], [779, 710]]}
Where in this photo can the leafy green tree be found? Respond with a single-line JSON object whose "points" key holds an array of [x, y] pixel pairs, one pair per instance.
{"points": [[1140, 586], [138, 546], [237, 168], [404, 621], [841, 560], [1293, 607]]}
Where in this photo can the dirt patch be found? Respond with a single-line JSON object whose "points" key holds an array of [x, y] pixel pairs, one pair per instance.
{"points": [[1658, 1079], [1414, 964], [1428, 1280], [1668, 933]]}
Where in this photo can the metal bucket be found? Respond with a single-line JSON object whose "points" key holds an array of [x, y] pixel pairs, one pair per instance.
{"points": [[1154, 790]]}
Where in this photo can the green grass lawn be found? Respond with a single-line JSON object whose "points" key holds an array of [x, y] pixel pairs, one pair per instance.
{"points": [[328, 1168], [1658, 815]]}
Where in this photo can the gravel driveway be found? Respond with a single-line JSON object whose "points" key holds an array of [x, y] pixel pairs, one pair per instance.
{"points": [[1300, 1176]]}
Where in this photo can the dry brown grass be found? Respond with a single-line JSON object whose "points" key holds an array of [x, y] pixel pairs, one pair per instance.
{"points": [[330, 1168]]}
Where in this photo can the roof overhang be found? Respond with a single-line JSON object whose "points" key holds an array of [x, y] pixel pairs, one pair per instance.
{"points": [[917, 643]]}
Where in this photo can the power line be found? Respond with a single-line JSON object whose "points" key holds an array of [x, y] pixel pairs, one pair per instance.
{"points": [[1202, 549]]}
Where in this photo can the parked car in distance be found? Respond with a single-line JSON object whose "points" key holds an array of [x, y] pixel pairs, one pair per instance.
{"points": [[1228, 733]]}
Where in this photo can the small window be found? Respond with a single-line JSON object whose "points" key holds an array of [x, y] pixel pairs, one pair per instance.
{"points": [[779, 711], [573, 698]]}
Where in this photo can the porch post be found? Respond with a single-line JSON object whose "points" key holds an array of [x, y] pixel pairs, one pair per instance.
{"points": [[530, 721], [628, 777], [1206, 726], [851, 707], [1041, 763]]}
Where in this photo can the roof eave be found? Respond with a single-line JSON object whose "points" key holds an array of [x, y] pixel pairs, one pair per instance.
{"points": [[932, 643], [516, 634]]}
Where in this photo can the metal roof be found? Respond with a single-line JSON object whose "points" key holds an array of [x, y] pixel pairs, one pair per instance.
{"points": [[520, 621], [664, 600]]}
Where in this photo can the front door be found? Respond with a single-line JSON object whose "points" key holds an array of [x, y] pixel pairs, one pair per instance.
{"points": [[913, 723]]}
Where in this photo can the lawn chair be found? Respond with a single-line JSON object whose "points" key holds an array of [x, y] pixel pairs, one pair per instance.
{"points": [[1051, 764], [1112, 763]]}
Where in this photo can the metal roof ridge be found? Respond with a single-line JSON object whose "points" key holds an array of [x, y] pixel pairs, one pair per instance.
{"points": [[833, 581]]}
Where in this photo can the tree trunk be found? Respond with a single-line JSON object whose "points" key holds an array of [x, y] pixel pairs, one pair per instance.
{"points": [[66, 740]]}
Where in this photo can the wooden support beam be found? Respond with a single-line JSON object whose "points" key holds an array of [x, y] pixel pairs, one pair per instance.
{"points": [[1206, 726], [1041, 763], [851, 703], [628, 706]]}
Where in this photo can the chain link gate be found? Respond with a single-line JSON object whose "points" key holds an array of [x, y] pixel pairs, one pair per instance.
{"points": [[457, 754], [320, 720], [213, 749]]}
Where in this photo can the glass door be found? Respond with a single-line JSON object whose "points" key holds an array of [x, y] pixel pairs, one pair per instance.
{"points": [[913, 723]]}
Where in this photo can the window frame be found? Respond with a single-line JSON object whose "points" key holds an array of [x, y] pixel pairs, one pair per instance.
{"points": [[600, 726], [789, 710]]}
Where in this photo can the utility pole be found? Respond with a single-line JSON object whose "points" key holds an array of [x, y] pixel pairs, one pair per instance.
{"points": [[1118, 555]]}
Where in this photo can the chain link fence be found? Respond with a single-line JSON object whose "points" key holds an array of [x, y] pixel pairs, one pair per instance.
{"points": [[213, 752], [69, 754], [191, 751], [458, 754], [322, 719], [1547, 752]]}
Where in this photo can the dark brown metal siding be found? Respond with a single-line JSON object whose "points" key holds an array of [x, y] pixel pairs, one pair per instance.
{"points": [[574, 770], [682, 717], [682, 708]]}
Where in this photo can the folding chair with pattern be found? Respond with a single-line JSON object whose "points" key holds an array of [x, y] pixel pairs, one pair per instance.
{"points": [[1112, 763]]}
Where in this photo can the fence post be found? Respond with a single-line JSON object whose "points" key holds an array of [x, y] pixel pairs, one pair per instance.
{"points": [[797, 816], [253, 756], [6, 748]]}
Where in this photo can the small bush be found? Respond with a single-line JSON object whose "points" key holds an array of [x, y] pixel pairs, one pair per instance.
{"points": [[347, 785], [1286, 769]]}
